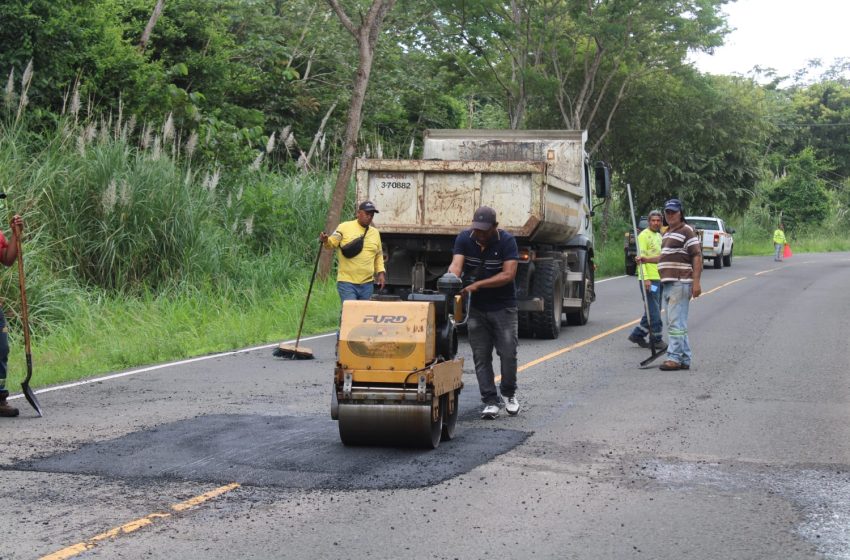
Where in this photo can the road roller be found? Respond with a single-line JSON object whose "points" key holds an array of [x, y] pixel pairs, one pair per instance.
{"points": [[397, 378]]}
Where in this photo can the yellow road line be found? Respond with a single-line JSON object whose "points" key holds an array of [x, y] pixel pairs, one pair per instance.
{"points": [[132, 526], [768, 271], [584, 342], [587, 341], [729, 283]]}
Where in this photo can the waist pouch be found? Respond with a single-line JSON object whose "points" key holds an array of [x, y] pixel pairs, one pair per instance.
{"points": [[353, 248]]}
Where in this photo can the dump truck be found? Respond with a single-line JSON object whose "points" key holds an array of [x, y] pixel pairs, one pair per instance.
{"points": [[540, 184]]}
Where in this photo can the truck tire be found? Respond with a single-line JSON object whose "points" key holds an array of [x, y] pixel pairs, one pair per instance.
{"points": [[524, 329], [581, 316], [631, 267], [718, 261], [547, 284], [727, 260]]}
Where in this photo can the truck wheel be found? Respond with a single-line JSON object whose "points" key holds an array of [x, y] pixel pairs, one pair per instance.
{"points": [[524, 329], [522, 291], [631, 267], [581, 317], [718, 262], [727, 260], [547, 284]]}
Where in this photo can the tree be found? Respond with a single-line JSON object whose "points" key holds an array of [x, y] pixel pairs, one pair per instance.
{"points": [[146, 35], [801, 196], [571, 60], [700, 138], [366, 36]]}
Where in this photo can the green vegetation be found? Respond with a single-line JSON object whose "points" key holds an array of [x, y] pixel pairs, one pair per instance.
{"points": [[173, 186], [133, 258]]}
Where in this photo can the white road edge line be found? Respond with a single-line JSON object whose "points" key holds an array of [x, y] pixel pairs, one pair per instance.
{"points": [[611, 278], [163, 366]]}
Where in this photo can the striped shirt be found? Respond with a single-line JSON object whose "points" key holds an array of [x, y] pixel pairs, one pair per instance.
{"points": [[679, 247]]}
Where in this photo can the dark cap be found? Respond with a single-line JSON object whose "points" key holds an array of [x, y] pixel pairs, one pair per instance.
{"points": [[484, 218], [368, 207], [673, 204]]}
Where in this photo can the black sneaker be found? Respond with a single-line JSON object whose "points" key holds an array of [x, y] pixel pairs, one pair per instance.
{"points": [[638, 340]]}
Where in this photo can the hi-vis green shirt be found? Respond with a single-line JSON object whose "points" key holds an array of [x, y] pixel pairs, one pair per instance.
{"points": [[779, 237], [650, 246], [362, 268]]}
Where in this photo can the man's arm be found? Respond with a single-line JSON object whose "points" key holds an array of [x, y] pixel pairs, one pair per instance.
{"points": [[380, 274], [696, 263], [456, 267], [10, 252], [331, 241], [506, 276]]}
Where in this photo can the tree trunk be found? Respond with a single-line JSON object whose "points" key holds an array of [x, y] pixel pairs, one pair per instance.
{"points": [[366, 36], [157, 11]]}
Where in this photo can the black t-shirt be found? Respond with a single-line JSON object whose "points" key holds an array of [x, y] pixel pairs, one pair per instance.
{"points": [[499, 249]]}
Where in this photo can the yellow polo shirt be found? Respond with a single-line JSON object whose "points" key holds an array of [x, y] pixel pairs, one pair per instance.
{"points": [[362, 268], [650, 246]]}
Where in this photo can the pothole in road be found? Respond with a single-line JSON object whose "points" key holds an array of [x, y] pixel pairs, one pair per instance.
{"points": [[287, 451], [821, 493]]}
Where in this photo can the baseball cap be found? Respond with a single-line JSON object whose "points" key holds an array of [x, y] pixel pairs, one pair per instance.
{"points": [[484, 218], [368, 207], [673, 204]]}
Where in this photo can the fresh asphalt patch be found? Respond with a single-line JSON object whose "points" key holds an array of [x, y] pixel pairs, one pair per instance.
{"points": [[287, 451]]}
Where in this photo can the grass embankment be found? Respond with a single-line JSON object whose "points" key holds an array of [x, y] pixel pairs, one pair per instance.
{"points": [[117, 333], [134, 257]]}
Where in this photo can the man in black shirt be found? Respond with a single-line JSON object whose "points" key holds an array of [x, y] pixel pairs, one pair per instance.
{"points": [[487, 258]]}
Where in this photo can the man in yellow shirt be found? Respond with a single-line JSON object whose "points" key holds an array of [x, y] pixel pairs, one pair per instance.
{"points": [[649, 241], [779, 242], [364, 265]]}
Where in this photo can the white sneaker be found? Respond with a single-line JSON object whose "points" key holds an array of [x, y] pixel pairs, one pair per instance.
{"points": [[512, 405], [490, 411]]}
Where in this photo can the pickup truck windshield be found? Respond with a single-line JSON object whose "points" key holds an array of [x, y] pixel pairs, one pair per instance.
{"points": [[703, 224]]}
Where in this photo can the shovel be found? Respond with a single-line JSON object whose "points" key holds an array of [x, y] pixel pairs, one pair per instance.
{"points": [[654, 356], [25, 385]]}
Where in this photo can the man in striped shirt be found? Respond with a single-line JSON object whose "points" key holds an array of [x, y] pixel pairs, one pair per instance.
{"points": [[680, 266]]}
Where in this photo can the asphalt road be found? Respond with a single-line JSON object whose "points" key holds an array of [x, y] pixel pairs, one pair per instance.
{"points": [[747, 455]]}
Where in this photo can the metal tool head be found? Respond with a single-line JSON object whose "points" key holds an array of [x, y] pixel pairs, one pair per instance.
{"points": [[30, 396]]}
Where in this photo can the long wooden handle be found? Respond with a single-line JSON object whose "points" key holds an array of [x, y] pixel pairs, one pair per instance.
{"points": [[22, 283]]}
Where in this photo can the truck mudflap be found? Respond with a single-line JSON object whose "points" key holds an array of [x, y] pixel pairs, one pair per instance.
{"points": [[531, 304]]}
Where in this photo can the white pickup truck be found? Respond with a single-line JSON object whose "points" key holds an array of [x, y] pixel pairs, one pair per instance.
{"points": [[717, 242]]}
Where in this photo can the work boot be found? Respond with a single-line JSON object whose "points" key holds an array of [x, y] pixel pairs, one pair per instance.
{"points": [[6, 410]]}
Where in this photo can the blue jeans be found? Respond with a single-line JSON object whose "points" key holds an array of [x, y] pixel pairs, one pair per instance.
{"points": [[779, 247], [347, 290], [488, 330], [677, 297], [653, 302]]}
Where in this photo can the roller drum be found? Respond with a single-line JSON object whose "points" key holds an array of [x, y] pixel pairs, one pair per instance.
{"points": [[396, 424]]}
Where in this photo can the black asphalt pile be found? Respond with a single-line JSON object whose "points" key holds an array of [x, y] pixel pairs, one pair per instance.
{"points": [[287, 451]]}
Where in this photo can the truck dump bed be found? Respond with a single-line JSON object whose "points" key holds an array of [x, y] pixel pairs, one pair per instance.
{"points": [[534, 180]]}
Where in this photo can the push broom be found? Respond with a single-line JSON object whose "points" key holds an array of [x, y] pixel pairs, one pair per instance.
{"points": [[297, 352]]}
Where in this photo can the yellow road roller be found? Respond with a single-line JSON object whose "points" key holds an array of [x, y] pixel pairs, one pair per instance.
{"points": [[397, 380]]}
